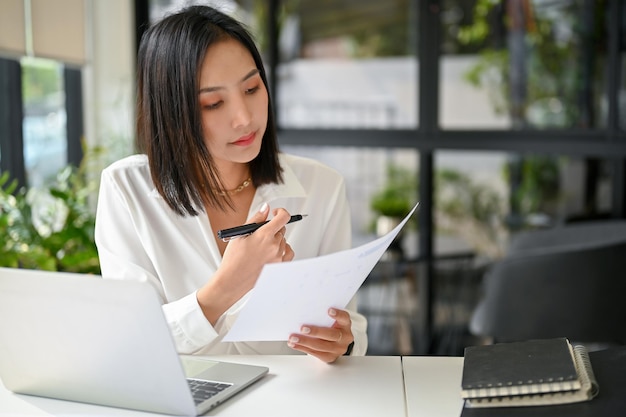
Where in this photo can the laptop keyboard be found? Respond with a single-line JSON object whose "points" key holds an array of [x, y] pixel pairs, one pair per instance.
{"points": [[202, 390]]}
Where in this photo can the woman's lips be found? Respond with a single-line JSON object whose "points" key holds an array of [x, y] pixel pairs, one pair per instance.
{"points": [[245, 140]]}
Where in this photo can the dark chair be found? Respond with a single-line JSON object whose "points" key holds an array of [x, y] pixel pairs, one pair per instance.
{"points": [[569, 281]]}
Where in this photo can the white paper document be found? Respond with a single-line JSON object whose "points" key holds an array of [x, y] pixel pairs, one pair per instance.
{"points": [[288, 295]]}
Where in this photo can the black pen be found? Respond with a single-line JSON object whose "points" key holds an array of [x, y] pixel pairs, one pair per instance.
{"points": [[246, 229]]}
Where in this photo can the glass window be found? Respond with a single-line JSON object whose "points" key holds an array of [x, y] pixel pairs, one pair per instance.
{"points": [[483, 198], [252, 13], [45, 121], [523, 64], [470, 202], [370, 174], [347, 64]]}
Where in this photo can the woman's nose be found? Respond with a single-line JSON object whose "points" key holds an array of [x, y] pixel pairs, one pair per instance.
{"points": [[241, 113]]}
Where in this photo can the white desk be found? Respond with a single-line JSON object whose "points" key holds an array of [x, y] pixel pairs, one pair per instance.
{"points": [[433, 386], [295, 386]]}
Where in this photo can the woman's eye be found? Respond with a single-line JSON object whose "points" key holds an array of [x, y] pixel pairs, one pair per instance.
{"points": [[252, 90], [213, 106]]}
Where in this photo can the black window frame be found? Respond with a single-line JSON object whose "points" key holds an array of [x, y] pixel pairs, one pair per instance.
{"points": [[12, 116], [428, 137]]}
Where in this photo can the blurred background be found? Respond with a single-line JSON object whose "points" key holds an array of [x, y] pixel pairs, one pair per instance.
{"points": [[499, 117]]}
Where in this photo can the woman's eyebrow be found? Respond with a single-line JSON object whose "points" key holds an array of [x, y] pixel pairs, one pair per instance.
{"points": [[247, 76]]}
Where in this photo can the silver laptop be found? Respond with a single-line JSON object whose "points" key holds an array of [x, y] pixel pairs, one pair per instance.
{"points": [[87, 339]]}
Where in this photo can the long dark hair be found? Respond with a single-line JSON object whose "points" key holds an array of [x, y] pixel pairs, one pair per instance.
{"points": [[169, 127]]}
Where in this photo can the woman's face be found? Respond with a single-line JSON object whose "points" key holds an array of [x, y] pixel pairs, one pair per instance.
{"points": [[233, 103]]}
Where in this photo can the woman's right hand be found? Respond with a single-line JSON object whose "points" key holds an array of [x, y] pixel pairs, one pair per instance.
{"points": [[267, 244], [243, 261]]}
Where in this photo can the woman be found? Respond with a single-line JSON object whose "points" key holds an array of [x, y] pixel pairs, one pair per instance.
{"points": [[210, 161]]}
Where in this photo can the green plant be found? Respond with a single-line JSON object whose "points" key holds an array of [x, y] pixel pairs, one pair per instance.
{"points": [[51, 228], [540, 73], [539, 187], [396, 198], [472, 210]]}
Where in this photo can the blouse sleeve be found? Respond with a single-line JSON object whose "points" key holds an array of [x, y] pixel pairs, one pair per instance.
{"points": [[123, 256]]}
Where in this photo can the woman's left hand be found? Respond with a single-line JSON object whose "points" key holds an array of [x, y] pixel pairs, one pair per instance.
{"points": [[325, 343]]}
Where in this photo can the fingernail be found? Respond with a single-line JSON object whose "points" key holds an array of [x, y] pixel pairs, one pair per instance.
{"points": [[294, 339], [332, 312], [263, 208], [305, 330]]}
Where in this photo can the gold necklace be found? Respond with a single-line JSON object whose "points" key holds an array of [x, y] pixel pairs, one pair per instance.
{"points": [[234, 191]]}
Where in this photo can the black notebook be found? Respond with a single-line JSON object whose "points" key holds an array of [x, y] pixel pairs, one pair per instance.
{"points": [[533, 372]]}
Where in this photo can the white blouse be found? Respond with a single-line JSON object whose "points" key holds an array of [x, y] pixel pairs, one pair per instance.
{"points": [[140, 238]]}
